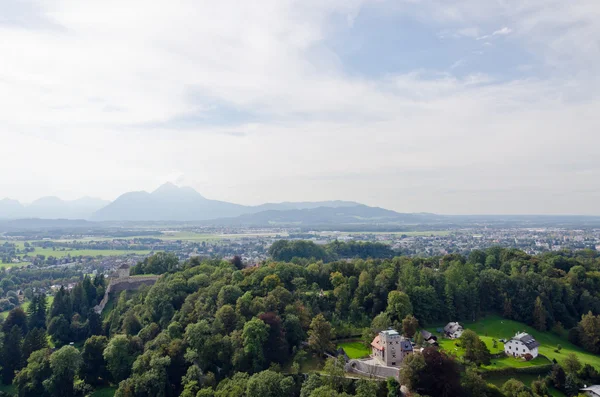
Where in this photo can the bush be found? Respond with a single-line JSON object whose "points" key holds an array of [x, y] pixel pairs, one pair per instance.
{"points": [[536, 370], [528, 357]]}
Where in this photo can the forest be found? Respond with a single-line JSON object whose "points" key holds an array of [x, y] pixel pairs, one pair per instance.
{"points": [[218, 328]]}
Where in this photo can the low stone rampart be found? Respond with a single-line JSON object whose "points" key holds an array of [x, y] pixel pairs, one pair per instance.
{"points": [[118, 285]]}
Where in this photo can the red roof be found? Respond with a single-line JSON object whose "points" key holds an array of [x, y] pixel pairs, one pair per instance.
{"points": [[376, 344]]}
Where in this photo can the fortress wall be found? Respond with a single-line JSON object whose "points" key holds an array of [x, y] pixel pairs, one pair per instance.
{"points": [[119, 285]]}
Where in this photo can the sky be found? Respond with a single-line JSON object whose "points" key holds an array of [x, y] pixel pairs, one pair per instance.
{"points": [[445, 106]]}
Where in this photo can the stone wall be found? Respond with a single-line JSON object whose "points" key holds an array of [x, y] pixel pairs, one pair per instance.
{"points": [[117, 285], [370, 369]]}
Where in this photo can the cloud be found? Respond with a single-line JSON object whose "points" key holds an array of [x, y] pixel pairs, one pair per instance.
{"points": [[250, 104], [502, 32]]}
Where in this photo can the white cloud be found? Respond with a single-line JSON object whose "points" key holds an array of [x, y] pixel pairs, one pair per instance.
{"points": [[502, 32], [88, 98]]}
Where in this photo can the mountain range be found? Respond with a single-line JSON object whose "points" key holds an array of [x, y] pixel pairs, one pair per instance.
{"points": [[167, 203], [51, 208]]}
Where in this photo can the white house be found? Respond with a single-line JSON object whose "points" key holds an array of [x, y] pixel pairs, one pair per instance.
{"points": [[453, 330], [520, 345], [390, 348], [591, 391]]}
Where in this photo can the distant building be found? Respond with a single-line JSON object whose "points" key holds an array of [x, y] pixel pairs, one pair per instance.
{"points": [[453, 330], [520, 345], [591, 391], [390, 348], [123, 271]]}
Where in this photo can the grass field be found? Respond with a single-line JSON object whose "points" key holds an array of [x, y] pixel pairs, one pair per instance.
{"points": [[11, 265], [496, 327], [25, 305], [58, 253], [62, 252], [105, 392], [354, 349]]}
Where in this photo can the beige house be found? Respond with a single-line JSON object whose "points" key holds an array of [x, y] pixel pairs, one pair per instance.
{"points": [[123, 271], [390, 348]]}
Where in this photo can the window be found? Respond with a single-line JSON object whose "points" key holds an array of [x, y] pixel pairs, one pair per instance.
{"points": [[393, 363]]}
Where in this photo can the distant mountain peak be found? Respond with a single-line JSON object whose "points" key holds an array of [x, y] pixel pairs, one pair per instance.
{"points": [[166, 187], [173, 191]]}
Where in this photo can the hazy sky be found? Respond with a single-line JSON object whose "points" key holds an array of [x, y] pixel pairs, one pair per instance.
{"points": [[447, 106]]}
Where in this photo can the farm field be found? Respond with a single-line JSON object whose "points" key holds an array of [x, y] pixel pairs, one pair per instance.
{"points": [[11, 265], [496, 327], [409, 234], [61, 253], [354, 349]]}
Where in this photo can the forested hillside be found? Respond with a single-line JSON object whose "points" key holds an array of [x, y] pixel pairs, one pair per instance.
{"points": [[215, 328]]}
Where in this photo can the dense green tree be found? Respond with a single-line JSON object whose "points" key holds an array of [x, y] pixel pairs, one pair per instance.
{"points": [[571, 363], [131, 324], [393, 387], [539, 315], [36, 339], [409, 326], [37, 312], [475, 349], [515, 388], [93, 369], [431, 373], [311, 383], [12, 359], [589, 332], [30, 381], [59, 330], [320, 335], [158, 263], [15, 317], [255, 334], [398, 307], [120, 353], [64, 364], [269, 384]]}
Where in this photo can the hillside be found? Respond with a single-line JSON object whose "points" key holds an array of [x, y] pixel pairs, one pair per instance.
{"points": [[497, 327], [172, 203], [224, 329], [323, 216]]}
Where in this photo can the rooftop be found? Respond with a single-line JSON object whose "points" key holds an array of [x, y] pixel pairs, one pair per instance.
{"points": [[390, 332]]}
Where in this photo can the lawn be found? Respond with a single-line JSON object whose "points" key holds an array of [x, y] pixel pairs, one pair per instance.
{"points": [[355, 349], [449, 345], [496, 327], [105, 392]]}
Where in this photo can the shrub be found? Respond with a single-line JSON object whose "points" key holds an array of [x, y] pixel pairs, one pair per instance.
{"points": [[528, 357]]}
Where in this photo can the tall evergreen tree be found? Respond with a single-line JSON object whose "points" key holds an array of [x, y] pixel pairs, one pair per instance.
{"points": [[37, 311], [35, 340], [539, 315], [12, 354]]}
